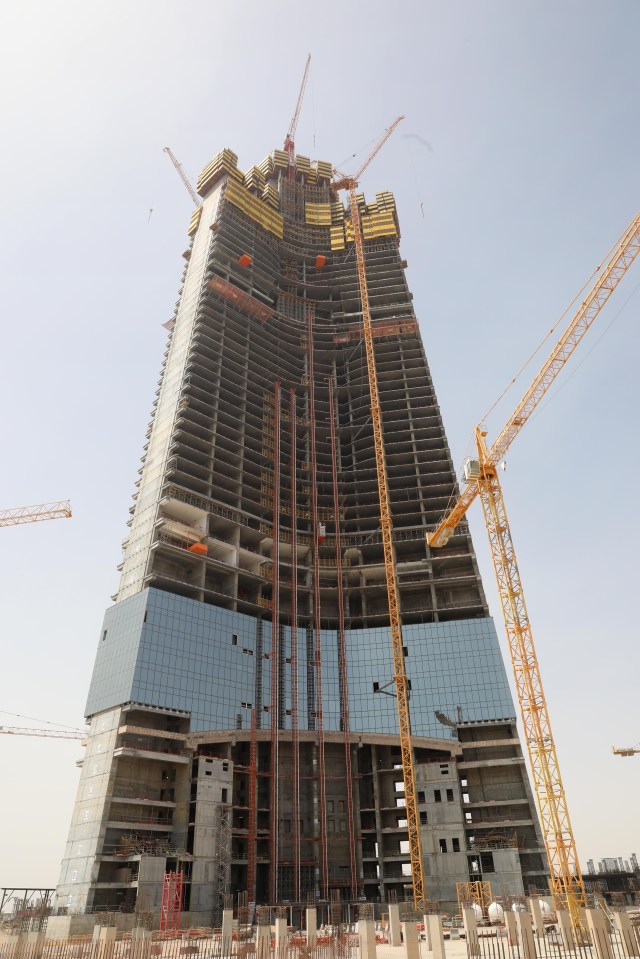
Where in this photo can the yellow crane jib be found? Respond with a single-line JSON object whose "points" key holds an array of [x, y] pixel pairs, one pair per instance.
{"points": [[609, 275], [35, 514]]}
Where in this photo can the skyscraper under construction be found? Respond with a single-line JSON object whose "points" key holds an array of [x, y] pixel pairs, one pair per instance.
{"points": [[244, 730]]}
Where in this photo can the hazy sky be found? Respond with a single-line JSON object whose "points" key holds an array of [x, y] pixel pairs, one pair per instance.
{"points": [[515, 171]]}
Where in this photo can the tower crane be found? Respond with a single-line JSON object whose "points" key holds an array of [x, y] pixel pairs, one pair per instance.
{"points": [[481, 476], [35, 514], [48, 733], [350, 183], [289, 140], [183, 176], [629, 751]]}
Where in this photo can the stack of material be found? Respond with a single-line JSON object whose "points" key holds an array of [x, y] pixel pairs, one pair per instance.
{"points": [[318, 214], [194, 222], [280, 159], [266, 167], [257, 210], [271, 196], [337, 212], [254, 179], [303, 164], [226, 161], [324, 169]]}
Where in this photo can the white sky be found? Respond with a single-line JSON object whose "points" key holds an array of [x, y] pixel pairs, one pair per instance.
{"points": [[527, 175]]}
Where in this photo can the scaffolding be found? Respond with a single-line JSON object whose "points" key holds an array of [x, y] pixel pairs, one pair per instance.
{"points": [[171, 906]]}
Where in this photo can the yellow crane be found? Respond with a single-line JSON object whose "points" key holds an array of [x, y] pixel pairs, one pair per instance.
{"points": [[481, 477], [350, 183], [35, 514], [629, 751]]}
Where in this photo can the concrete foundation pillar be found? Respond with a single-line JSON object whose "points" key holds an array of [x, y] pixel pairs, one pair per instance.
{"points": [[281, 937], [367, 936], [312, 926], [263, 942], [535, 911], [411, 941], [526, 940], [471, 932], [427, 931], [106, 939], [395, 938], [435, 938], [140, 943], [227, 931], [30, 945], [599, 930], [629, 940], [511, 927], [564, 926]]}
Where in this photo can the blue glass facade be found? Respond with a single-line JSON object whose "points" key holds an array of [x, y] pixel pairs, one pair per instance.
{"points": [[165, 650]]}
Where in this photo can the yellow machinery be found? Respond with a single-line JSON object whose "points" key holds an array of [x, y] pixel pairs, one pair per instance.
{"points": [[630, 751], [35, 514], [481, 478], [400, 675]]}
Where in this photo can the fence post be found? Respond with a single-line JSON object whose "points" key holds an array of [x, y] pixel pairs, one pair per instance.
{"points": [[227, 931], [427, 931], [627, 934], [395, 936], [106, 942], [312, 926], [435, 938], [411, 944], [30, 945], [281, 936], [140, 943], [536, 915], [471, 932], [263, 941], [566, 933], [525, 936], [367, 936], [511, 927], [600, 932]]}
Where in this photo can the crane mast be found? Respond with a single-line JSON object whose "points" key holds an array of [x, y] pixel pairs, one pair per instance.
{"points": [[567, 885], [35, 514], [400, 675]]}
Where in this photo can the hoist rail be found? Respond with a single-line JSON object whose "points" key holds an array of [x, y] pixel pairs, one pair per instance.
{"points": [[624, 253]]}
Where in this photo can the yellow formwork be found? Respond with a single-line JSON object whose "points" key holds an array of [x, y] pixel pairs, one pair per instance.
{"points": [[194, 222], [226, 161], [280, 159], [257, 210], [318, 214], [337, 237]]}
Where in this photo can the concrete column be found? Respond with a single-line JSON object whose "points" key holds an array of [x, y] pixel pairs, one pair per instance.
{"points": [[511, 927], [140, 943], [471, 932], [263, 942], [629, 940], [435, 937], [566, 932], [281, 937], [30, 945], [599, 930], [312, 926], [395, 937], [535, 911], [367, 935], [106, 942], [526, 939], [227, 931], [427, 931], [411, 942]]}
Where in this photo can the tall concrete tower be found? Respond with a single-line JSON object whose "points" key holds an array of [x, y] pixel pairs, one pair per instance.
{"points": [[243, 723]]}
